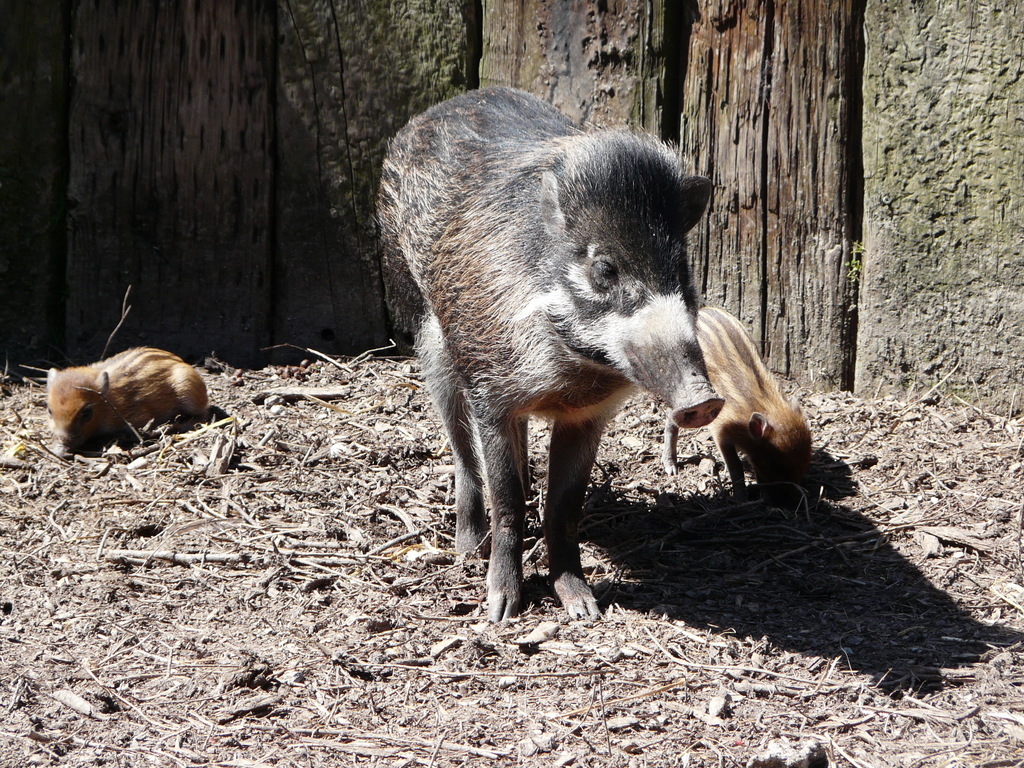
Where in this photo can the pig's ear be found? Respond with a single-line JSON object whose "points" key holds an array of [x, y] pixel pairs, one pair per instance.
{"points": [[104, 383], [550, 208], [696, 194], [759, 426], [51, 378]]}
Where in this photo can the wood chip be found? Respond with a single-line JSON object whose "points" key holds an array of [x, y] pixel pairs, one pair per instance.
{"points": [[73, 701], [783, 754], [541, 633], [442, 646], [929, 543], [254, 705], [719, 705], [622, 723], [221, 453], [957, 536], [294, 394]]}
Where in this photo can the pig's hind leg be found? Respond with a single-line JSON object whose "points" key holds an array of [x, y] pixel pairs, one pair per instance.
{"points": [[450, 400], [572, 453]]}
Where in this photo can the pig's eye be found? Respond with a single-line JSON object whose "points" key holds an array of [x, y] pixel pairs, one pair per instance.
{"points": [[603, 274], [84, 414]]}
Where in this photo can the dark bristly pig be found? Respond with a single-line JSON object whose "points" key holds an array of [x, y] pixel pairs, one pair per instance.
{"points": [[757, 420], [547, 271], [120, 394]]}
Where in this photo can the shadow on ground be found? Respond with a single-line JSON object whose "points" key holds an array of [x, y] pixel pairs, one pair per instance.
{"points": [[821, 579]]}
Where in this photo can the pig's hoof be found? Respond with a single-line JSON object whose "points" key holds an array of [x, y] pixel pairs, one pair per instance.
{"points": [[670, 467], [501, 606], [576, 597], [584, 608]]}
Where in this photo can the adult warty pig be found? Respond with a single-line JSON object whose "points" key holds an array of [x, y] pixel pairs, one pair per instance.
{"points": [[547, 269]]}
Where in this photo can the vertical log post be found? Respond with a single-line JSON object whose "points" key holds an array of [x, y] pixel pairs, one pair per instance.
{"points": [[351, 75], [770, 114], [171, 139], [33, 171], [601, 63], [943, 293]]}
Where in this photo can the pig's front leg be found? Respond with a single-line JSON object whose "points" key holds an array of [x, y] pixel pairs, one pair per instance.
{"points": [[451, 402], [668, 448], [573, 448], [503, 444], [735, 466]]}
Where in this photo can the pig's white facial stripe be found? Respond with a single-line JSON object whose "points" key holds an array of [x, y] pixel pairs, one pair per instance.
{"points": [[553, 303], [664, 316], [663, 322], [577, 275]]}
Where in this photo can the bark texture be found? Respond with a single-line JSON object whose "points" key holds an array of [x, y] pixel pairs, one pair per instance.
{"points": [[171, 139], [601, 63], [942, 297], [351, 75], [222, 159], [770, 115], [33, 121]]}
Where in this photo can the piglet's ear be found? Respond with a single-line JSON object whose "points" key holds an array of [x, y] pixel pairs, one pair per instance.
{"points": [[51, 378], [104, 383], [696, 194], [550, 207], [759, 426]]}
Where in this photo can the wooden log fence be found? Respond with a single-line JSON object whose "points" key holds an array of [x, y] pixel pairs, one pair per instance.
{"points": [[222, 160]]}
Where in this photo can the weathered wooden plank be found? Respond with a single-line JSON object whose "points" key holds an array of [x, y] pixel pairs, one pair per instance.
{"points": [[723, 126], [350, 76], [33, 168], [812, 185], [605, 63], [942, 295], [171, 142], [770, 116]]}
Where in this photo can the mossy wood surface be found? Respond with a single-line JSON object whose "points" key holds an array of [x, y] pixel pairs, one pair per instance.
{"points": [[943, 270], [351, 75]]}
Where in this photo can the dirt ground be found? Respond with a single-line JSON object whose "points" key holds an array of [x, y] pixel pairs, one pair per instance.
{"points": [[278, 589]]}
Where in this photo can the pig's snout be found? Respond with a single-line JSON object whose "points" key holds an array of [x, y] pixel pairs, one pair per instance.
{"points": [[680, 379], [699, 415], [662, 355]]}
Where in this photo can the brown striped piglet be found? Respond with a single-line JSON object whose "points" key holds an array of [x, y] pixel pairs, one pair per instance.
{"points": [[757, 419], [118, 395]]}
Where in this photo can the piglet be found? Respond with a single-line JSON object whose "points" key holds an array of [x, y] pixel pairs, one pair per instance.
{"points": [[757, 419], [120, 394]]}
